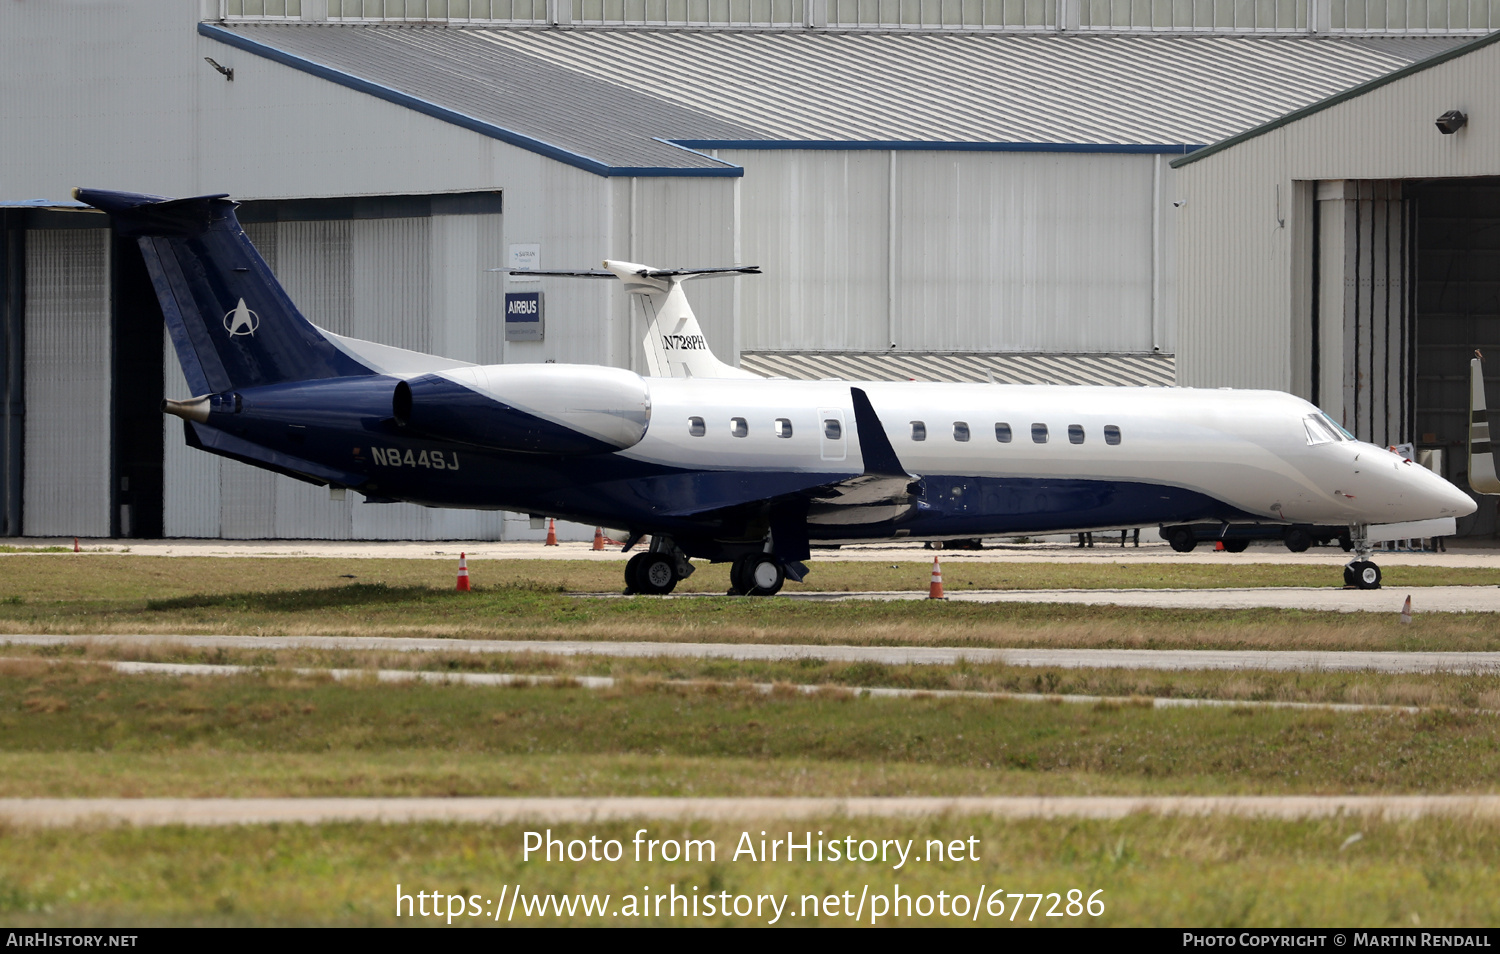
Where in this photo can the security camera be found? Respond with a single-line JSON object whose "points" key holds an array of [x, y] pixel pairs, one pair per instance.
{"points": [[1178, 203], [1452, 121]]}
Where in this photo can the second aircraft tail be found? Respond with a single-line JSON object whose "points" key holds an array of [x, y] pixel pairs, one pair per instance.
{"points": [[675, 344]]}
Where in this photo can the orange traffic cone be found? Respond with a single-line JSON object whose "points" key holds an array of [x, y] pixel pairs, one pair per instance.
{"points": [[1406, 610], [935, 588], [463, 573], [551, 532], [1219, 545], [598, 538], [75, 546]]}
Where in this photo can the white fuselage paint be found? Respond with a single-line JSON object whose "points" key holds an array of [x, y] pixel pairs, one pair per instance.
{"points": [[1248, 449]]}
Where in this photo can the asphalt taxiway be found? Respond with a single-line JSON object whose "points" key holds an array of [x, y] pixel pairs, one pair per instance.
{"points": [[1448, 599], [478, 551]]}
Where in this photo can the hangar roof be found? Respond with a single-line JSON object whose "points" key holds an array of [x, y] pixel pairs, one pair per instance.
{"points": [[641, 102], [1368, 86], [1142, 370]]}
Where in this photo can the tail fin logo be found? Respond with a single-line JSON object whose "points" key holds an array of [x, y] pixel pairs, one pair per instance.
{"points": [[241, 321]]}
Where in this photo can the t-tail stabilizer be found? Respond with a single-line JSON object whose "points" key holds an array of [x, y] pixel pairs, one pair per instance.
{"points": [[1482, 478], [231, 322], [675, 345]]}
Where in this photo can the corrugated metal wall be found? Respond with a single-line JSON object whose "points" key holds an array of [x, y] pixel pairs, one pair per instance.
{"points": [[691, 223], [67, 460], [956, 251], [1242, 294], [570, 215], [817, 223]]}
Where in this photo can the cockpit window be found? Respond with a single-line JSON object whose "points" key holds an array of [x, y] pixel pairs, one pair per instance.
{"points": [[1338, 428], [1320, 430]]}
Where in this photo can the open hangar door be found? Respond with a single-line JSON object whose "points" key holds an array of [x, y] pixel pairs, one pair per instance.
{"points": [[80, 436], [1407, 286], [1457, 241]]}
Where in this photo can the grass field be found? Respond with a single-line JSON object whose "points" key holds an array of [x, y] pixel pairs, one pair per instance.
{"points": [[71, 729], [713, 732], [105, 594], [125, 577], [1463, 691], [1147, 870]]}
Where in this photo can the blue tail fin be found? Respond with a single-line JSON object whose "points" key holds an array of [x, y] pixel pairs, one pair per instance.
{"points": [[231, 322]]}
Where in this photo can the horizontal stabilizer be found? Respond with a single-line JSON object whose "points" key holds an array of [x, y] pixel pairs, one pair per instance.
{"points": [[675, 344], [135, 215], [641, 271]]}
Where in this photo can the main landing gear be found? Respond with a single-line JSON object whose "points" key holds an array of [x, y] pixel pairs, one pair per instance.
{"points": [[657, 571], [1360, 572], [756, 574]]}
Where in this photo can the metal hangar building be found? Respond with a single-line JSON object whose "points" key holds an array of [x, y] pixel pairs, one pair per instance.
{"points": [[1349, 252], [936, 189]]}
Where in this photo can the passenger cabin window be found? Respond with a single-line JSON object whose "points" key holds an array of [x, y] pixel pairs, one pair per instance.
{"points": [[1039, 433], [738, 427], [695, 427], [1002, 433], [960, 431], [1111, 434], [832, 429], [918, 431], [1075, 433], [783, 427]]}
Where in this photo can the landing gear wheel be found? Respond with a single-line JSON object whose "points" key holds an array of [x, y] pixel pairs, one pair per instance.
{"points": [[767, 575], [656, 575], [1181, 539], [1235, 546], [1362, 574], [738, 571], [1297, 540], [757, 574], [632, 573]]}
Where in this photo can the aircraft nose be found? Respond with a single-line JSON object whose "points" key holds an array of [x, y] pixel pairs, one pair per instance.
{"points": [[1463, 503], [1445, 499]]}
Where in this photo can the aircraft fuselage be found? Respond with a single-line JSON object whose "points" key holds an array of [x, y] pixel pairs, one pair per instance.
{"points": [[982, 459]]}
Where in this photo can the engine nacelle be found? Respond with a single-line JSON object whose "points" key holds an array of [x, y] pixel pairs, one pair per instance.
{"points": [[532, 408]]}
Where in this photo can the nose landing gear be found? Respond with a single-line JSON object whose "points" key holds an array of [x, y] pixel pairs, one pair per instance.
{"points": [[1360, 572]]}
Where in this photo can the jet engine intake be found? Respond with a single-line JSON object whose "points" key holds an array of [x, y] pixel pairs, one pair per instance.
{"points": [[537, 409]]}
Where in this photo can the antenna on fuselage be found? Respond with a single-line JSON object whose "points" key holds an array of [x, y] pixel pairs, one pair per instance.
{"points": [[675, 344]]}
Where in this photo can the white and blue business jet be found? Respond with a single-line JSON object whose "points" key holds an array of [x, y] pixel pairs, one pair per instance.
{"points": [[714, 463]]}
